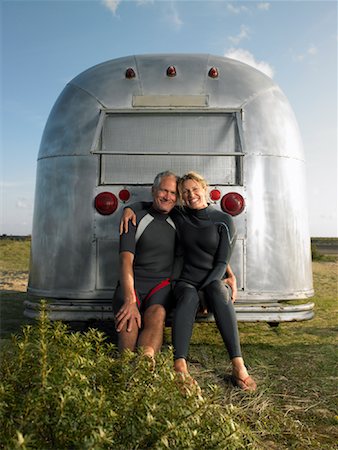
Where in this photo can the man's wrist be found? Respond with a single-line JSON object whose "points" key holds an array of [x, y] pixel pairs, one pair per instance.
{"points": [[130, 302]]}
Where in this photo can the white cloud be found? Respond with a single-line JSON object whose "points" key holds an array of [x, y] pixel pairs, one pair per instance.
{"points": [[23, 203], [243, 34], [265, 6], [311, 51], [248, 58], [173, 16], [112, 5], [236, 9]]}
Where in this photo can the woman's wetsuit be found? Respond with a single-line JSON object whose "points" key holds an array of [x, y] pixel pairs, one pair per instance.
{"points": [[207, 237]]}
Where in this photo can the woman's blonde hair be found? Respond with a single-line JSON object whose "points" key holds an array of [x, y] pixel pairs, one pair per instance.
{"points": [[195, 177]]}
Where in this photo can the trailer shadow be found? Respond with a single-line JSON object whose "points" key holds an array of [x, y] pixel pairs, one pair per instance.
{"points": [[12, 318]]}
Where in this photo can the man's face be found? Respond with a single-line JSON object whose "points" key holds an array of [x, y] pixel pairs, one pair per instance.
{"points": [[165, 196]]}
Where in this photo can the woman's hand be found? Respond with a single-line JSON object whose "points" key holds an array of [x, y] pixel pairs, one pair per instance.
{"points": [[128, 214], [232, 282]]}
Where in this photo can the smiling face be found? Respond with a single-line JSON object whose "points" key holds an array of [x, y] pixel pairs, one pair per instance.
{"points": [[164, 197], [194, 194]]}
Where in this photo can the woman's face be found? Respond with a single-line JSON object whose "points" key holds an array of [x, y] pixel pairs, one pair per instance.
{"points": [[194, 195]]}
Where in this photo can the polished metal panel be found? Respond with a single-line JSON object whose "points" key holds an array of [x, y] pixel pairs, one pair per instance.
{"points": [[140, 169], [170, 133], [196, 101], [106, 133]]}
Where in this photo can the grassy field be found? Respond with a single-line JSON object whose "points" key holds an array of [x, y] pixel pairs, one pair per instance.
{"points": [[294, 364]]}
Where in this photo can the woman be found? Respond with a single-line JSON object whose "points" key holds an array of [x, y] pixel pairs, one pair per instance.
{"points": [[207, 237]]}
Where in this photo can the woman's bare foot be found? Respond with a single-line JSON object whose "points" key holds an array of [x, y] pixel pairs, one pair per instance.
{"points": [[246, 384], [240, 376], [184, 381], [180, 365]]}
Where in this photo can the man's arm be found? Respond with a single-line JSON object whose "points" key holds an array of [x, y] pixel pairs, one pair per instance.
{"points": [[129, 313]]}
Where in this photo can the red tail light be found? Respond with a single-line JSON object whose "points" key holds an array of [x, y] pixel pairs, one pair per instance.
{"points": [[130, 73], [215, 195], [213, 72], [124, 195], [171, 71], [106, 203], [232, 203]]}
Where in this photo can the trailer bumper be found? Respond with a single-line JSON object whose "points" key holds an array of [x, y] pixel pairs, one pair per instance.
{"points": [[269, 312], [84, 310]]}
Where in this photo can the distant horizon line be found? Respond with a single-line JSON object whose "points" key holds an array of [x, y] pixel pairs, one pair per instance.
{"points": [[21, 236]]}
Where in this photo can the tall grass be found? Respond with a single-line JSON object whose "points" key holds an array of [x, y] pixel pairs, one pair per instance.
{"points": [[14, 254], [63, 390]]}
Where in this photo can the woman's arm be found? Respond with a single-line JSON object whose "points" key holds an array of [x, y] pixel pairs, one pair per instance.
{"points": [[226, 244], [129, 214]]}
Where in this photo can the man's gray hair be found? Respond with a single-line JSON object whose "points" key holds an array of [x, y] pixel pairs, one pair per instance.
{"points": [[159, 177]]}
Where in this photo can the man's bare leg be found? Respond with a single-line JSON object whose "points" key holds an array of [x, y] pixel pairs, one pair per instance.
{"points": [[151, 337], [127, 339]]}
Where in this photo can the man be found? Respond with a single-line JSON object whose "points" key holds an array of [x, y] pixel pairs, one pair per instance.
{"points": [[147, 251]]}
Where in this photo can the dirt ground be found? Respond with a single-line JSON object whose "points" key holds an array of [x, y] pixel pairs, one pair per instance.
{"points": [[14, 281]]}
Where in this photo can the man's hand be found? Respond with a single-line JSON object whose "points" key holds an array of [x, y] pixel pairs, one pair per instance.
{"points": [[232, 282], [128, 214], [128, 315]]}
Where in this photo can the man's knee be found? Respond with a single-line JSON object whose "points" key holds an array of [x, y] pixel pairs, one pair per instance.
{"points": [[155, 314]]}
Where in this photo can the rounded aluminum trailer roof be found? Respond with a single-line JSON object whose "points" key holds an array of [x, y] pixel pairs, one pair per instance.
{"points": [[73, 118], [273, 229]]}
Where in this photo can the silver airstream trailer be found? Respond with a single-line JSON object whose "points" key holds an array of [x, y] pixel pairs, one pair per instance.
{"points": [[118, 124]]}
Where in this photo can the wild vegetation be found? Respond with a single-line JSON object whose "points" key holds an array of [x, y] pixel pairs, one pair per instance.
{"points": [[62, 389], [70, 390]]}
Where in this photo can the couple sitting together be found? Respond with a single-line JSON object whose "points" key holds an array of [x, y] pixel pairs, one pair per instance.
{"points": [[168, 254]]}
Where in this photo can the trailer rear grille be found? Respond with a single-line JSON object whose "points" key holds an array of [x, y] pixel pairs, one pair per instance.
{"points": [[141, 169], [135, 146]]}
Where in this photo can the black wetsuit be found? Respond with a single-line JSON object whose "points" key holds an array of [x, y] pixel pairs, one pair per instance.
{"points": [[152, 241], [207, 238]]}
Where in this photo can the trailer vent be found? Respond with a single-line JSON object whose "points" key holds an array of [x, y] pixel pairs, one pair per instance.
{"points": [[135, 146]]}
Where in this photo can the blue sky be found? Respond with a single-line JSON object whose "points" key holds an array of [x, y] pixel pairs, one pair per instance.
{"points": [[44, 44]]}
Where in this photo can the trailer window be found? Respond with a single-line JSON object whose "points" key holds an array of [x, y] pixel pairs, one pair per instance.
{"points": [[136, 146]]}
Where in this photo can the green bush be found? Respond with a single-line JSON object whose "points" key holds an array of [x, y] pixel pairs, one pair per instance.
{"points": [[316, 256], [63, 390]]}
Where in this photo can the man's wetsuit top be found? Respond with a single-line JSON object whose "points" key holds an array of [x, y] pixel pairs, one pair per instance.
{"points": [[152, 241]]}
